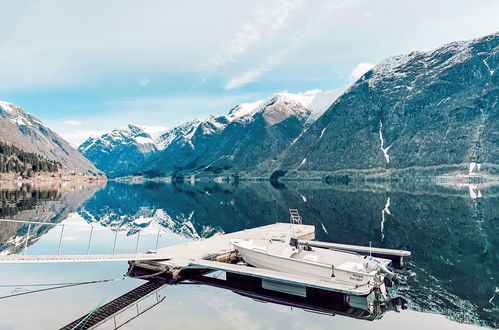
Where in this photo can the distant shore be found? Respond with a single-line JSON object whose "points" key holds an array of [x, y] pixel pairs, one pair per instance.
{"points": [[51, 177]]}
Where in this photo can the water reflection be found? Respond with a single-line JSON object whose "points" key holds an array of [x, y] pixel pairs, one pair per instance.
{"points": [[453, 235], [47, 204]]}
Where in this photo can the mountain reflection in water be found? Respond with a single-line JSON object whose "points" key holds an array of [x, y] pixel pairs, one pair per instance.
{"points": [[453, 234]]}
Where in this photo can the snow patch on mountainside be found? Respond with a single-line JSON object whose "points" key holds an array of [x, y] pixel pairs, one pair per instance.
{"points": [[7, 106], [244, 109], [393, 67]]}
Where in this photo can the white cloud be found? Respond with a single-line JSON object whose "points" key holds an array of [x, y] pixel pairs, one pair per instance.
{"points": [[245, 78], [49, 44], [264, 23], [72, 122], [304, 33], [360, 69], [254, 74]]}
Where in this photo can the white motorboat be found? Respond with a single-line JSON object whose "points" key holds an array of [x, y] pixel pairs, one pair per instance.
{"points": [[291, 257]]}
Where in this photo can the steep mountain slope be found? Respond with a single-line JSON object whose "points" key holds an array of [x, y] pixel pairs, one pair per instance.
{"points": [[124, 150], [234, 144], [25, 131], [422, 110]]}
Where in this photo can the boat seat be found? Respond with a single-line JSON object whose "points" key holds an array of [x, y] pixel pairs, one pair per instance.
{"points": [[351, 266]]}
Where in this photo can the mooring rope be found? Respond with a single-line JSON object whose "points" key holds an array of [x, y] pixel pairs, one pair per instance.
{"points": [[55, 284], [85, 319]]}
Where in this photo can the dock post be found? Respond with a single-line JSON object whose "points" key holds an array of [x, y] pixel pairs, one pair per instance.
{"points": [[90, 240], [115, 237], [157, 240], [137, 244], [60, 241], [27, 238]]}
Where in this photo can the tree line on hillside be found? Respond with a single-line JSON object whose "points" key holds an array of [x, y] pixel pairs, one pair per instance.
{"points": [[15, 160]]}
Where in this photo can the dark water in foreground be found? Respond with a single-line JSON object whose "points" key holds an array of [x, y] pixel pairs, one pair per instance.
{"points": [[453, 234]]}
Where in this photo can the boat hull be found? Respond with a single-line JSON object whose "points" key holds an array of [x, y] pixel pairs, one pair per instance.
{"points": [[301, 267]]}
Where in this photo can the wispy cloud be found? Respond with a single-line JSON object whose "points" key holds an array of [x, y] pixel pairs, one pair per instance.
{"points": [[264, 23], [303, 34], [360, 69], [72, 122], [255, 73]]}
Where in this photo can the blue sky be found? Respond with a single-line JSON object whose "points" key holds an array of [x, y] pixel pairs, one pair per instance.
{"points": [[86, 67]]}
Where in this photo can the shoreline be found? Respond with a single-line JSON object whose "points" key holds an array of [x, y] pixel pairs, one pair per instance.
{"points": [[50, 179]]}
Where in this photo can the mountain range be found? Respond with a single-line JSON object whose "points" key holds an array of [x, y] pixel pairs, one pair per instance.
{"points": [[423, 113], [248, 136], [25, 131]]}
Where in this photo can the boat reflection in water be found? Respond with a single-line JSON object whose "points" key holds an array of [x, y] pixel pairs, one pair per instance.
{"points": [[307, 298]]}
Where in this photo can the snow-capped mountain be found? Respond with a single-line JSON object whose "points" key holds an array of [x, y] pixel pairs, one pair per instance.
{"points": [[250, 136], [203, 143], [126, 149], [436, 110], [19, 128]]}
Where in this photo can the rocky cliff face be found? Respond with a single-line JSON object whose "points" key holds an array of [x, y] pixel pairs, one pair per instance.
{"points": [[421, 110], [25, 131]]}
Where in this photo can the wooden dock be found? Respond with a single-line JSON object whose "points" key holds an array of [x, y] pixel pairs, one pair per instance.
{"points": [[202, 255], [183, 255]]}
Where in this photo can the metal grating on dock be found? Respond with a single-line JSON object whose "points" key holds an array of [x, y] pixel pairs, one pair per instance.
{"points": [[112, 308]]}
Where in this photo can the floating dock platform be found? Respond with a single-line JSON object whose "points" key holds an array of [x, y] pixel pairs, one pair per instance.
{"points": [[197, 261], [190, 259]]}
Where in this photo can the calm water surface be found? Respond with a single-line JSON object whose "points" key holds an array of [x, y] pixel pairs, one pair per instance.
{"points": [[453, 233]]}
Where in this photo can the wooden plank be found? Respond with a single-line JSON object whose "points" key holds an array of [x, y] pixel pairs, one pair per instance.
{"points": [[357, 248]]}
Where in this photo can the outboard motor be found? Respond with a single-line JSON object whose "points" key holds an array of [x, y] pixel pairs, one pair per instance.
{"points": [[389, 274]]}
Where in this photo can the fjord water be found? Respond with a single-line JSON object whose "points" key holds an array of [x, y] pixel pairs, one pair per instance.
{"points": [[452, 232]]}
